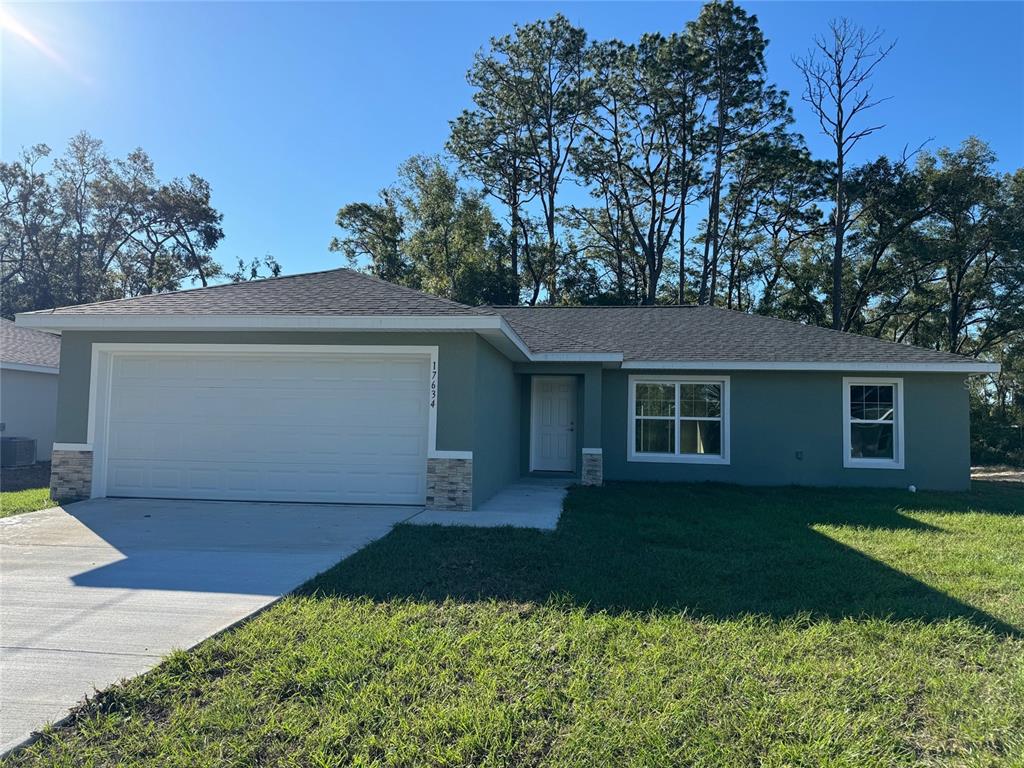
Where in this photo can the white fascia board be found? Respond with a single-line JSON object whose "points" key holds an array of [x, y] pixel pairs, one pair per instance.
{"points": [[183, 322], [26, 367], [514, 337], [200, 322], [716, 365], [576, 357]]}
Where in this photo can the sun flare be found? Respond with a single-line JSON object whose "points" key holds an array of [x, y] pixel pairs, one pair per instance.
{"points": [[17, 29]]}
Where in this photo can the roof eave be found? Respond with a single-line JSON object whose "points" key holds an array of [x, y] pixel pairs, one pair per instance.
{"points": [[60, 322], [28, 367], [966, 367], [492, 327]]}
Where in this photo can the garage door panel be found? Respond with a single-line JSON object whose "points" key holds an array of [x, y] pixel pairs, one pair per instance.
{"points": [[293, 428], [351, 485], [165, 478]]}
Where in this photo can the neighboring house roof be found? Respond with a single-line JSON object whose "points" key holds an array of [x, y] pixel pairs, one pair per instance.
{"points": [[26, 349], [634, 336]]}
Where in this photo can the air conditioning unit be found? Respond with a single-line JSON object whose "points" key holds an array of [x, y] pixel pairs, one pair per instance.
{"points": [[17, 451]]}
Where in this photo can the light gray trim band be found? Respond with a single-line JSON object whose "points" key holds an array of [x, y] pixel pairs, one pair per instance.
{"points": [[27, 368], [716, 365]]}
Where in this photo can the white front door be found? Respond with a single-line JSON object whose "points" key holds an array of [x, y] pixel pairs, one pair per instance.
{"points": [[553, 424]]}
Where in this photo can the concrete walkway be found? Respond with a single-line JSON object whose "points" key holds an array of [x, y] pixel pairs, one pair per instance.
{"points": [[531, 502], [102, 590]]}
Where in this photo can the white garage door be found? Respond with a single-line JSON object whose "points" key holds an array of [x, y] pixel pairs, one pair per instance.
{"points": [[325, 427]]}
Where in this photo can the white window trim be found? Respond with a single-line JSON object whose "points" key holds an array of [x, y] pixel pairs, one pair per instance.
{"points": [[688, 458], [851, 462]]}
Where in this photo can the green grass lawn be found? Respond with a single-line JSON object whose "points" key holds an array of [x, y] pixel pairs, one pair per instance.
{"points": [[659, 625], [29, 500], [25, 489]]}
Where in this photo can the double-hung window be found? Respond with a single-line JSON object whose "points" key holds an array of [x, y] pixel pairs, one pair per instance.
{"points": [[873, 423], [679, 418]]}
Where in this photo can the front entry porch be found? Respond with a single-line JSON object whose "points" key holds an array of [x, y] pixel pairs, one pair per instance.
{"points": [[530, 502], [561, 422]]}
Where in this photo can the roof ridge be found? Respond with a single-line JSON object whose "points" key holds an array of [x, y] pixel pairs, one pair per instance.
{"points": [[407, 289]]}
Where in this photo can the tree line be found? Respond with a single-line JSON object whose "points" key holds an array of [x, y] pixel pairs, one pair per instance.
{"points": [[700, 188], [666, 170], [86, 227]]}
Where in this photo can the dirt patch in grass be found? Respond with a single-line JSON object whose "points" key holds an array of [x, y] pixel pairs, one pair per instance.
{"points": [[24, 478]]}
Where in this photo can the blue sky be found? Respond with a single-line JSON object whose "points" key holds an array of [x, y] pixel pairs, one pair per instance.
{"points": [[291, 110]]}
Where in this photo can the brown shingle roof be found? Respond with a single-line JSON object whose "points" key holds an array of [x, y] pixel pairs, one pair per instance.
{"points": [[334, 292], [24, 346], [658, 333], [689, 333]]}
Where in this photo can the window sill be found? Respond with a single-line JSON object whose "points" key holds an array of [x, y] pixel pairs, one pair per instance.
{"points": [[872, 464], [653, 458]]}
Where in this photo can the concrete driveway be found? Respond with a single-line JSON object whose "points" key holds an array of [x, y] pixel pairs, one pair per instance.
{"points": [[101, 590]]}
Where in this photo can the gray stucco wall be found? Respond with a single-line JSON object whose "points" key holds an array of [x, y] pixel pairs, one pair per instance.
{"points": [[776, 414], [498, 398], [28, 407], [456, 373], [483, 407], [473, 378]]}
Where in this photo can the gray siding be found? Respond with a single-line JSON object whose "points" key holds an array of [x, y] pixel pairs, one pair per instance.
{"points": [[776, 414], [28, 407], [498, 398]]}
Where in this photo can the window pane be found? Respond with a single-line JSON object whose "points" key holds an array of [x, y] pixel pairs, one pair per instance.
{"points": [[700, 399], [655, 436], [871, 402], [871, 441], [700, 437], [655, 400]]}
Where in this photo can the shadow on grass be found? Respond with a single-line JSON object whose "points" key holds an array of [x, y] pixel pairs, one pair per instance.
{"points": [[710, 550]]}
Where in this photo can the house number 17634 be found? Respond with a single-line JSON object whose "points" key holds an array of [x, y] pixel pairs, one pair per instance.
{"points": [[433, 385]]}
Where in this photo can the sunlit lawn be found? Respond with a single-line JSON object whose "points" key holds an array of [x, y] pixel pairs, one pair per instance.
{"points": [[16, 502], [25, 489], [659, 625]]}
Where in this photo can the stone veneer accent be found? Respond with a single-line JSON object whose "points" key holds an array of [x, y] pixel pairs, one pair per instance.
{"points": [[592, 472], [450, 484], [70, 475]]}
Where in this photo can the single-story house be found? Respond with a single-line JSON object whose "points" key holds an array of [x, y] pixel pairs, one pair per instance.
{"points": [[29, 363], [339, 387]]}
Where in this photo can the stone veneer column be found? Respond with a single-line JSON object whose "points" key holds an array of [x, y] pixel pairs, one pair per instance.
{"points": [[450, 484], [70, 474], [592, 472]]}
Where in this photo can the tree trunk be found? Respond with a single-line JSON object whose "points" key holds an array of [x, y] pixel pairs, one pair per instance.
{"points": [[840, 213], [710, 267], [653, 275], [840, 237], [552, 248], [514, 245]]}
